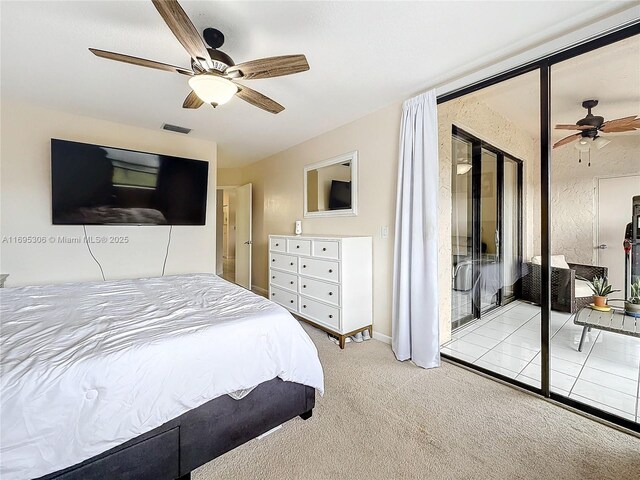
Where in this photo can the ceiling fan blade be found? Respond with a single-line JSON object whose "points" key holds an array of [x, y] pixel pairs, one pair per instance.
{"points": [[192, 101], [270, 67], [566, 140], [179, 23], [618, 128], [139, 61], [619, 122], [572, 127], [258, 100]]}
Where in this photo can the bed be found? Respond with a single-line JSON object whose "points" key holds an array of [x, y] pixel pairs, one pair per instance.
{"points": [[132, 378]]}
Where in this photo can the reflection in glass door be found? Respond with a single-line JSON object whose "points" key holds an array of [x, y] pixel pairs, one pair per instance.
{"points": [[511, 235], [461, 232], [486, 225], [489, 281]]}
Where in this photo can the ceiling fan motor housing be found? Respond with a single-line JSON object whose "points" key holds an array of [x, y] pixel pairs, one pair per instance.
{"points": [[591, 120], [220, 60]]}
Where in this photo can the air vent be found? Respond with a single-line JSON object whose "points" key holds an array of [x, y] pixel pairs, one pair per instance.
{"points": [[175, 128]]}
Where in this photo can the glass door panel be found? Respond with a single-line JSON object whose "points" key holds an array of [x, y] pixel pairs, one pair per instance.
{"points": [[510, 250], [489, 282], [461, 232]]}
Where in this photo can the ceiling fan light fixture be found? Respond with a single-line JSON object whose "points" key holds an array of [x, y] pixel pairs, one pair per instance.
{"points": [[600, 142], [462, 168], [583, 145], [213, 89]]}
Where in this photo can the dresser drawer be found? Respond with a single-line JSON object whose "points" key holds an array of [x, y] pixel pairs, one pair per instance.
{"points": [[286, 299], [321, 313], [324, 269], [301, 247], [328, 292], [277, 244], [287, 281], [284, 262], [325, 249]]}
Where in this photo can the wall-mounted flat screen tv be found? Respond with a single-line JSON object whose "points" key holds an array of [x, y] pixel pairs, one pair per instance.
{"points": [[340, 195], [98, 185]]}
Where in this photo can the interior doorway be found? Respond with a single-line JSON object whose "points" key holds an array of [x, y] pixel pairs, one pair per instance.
{"points": [[614, 213], [234, 235]]}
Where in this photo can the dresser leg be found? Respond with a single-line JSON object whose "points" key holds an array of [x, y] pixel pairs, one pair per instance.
{"points": [[342, 341], [371, 331]]}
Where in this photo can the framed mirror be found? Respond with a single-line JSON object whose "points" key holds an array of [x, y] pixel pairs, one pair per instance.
{"points": [[331, 187]]}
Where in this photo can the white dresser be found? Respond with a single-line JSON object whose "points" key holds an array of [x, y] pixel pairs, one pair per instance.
{"points": [[325, 280]]}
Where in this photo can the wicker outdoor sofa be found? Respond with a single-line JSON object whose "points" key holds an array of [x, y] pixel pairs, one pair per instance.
{"points": [[563, 282]]}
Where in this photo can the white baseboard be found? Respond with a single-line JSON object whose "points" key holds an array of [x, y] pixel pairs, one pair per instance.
{"points": [[382, 338], [259, 291]]}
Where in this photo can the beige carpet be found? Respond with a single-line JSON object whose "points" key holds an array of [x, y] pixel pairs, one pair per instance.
{"points": [[382, 419]]}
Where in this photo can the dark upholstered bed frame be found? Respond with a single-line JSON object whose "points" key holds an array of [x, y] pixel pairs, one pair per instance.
{"points": [[198, 436]]}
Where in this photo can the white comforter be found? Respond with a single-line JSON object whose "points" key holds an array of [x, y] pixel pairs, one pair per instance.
{"points": [[86, 367]]}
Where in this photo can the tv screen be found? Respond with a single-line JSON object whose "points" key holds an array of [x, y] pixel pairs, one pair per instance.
{"points": [[97, 185], [340, 195]]}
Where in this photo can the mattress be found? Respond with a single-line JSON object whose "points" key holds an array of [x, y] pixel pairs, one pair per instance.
{"points": [[86, 367]]}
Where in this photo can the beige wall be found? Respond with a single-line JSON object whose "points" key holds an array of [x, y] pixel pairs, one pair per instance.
{"points": [[573, 193], [25, 198], [278, 196]]}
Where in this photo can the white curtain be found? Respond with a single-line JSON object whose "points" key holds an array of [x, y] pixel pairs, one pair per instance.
{"points": [[415, 322]]}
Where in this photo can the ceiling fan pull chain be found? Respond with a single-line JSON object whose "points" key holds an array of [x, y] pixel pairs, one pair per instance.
{"points": [[589, 158], [579, 157]]}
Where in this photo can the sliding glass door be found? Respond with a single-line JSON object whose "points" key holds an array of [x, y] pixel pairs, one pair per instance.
{"points": [[531, 230], [486, 226]]}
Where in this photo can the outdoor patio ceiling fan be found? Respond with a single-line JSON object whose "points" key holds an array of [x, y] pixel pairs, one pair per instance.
{"points": [[591, 125], [213, 74]]}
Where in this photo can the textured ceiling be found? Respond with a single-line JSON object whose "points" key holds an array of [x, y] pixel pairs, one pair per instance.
{"points": [[610, 75], [363, 56]]}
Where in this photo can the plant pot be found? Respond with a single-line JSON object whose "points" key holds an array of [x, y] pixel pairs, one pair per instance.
{"points": [[599, 301], [633, 308]]}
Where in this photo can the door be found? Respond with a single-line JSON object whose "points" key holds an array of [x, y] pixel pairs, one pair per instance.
{"points": [[486, 226], [615, 196], [489, 278], [243, 236], [510, 247]]}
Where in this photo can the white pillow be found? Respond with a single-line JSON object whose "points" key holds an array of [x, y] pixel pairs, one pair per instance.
{"points": [[557, 261], [582, 289]]}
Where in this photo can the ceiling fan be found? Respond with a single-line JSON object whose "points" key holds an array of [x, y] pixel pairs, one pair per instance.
{"points": [[591, 125], [213, 74]]}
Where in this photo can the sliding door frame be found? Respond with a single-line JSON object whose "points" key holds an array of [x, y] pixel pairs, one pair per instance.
{"points": [[477, 145], [543, 66]]}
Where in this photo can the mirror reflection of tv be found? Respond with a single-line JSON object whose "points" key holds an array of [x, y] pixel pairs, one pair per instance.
{"points": [[98, 185], [340, 195]]}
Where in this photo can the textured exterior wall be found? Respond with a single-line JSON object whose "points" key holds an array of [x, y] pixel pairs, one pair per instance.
{"points": [[573, 189]]}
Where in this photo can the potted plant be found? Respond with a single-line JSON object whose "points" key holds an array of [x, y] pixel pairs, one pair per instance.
{"points": [[632, 304], [600, 288]]}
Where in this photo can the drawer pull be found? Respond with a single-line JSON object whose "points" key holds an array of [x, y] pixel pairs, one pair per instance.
{"points": [[291, 282], [330, 293], [291, 263], [330, 316], [273, 259], [277, 244], [273, 278], [273, 294], [304, 306], [330, 271], [324, 249], [291, 301], [297, 246], [304, 286], [303, 266]]}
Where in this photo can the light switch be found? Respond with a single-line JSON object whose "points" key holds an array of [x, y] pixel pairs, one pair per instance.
{"points": [[384, 232]]}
